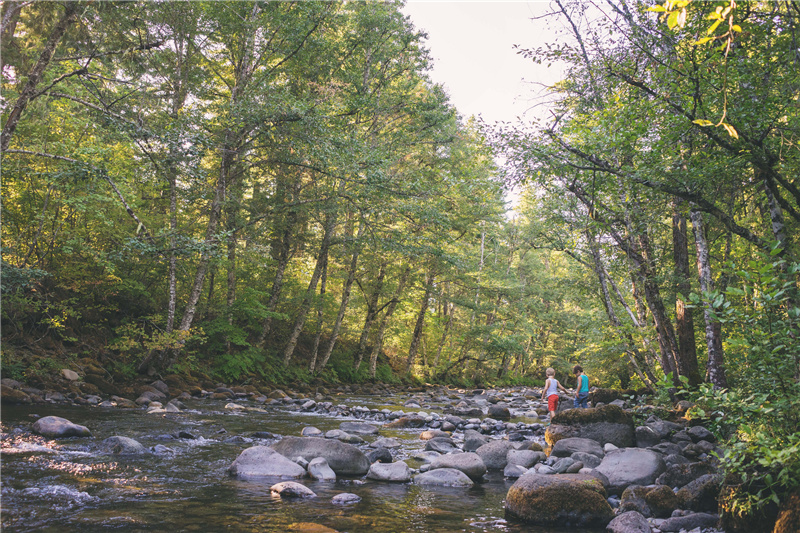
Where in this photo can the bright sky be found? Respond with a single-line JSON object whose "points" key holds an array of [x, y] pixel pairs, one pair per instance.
{"points": [[472, 47]]}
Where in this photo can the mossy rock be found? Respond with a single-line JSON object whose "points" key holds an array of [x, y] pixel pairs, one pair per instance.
{"points": [[572, 500], [104, 386], [662, 501], [608, 423], [607, 413], [789, 515]]}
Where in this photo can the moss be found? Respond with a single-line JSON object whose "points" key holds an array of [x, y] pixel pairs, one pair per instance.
{"points": [[789, 516], [662, 501], [607, 413], [559, 499]]}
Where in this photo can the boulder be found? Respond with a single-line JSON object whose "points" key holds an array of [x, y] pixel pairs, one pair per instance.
{"points": [[398, 471], [474, 440], [514, 471], [470, 463], [698, 433], [701, 494], [345, 497], [11, 396], [70, 375], [494, 454], [382, 455], [359, 428], [646, 437], [526, 458], [662, 501], [385, 442], [263, 461], [629, 522], [589, 460], [54, 427], [311, 431], [607, 424], [319, 469], [688, 522], [123, 446], [567, 447], [345, 459], [572, 500], [679, 475], [441, 445], [630, 466], [499, 412], [292, 489], [444, 477]]}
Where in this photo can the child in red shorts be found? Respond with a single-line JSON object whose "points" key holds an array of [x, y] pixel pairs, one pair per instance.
{"points": [[550, 391]]}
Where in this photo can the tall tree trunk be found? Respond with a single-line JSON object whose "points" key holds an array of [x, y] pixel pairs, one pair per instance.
{"points": [[348, 286], [320, 308], [715, 369], [372, 312], [420, 323], [330, 224], [36, 73], [687, 350], [283, 256], [376, 350], [448, 310]]}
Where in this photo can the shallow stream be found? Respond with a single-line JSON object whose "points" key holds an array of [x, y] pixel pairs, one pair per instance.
{"points": [[73, 485]]}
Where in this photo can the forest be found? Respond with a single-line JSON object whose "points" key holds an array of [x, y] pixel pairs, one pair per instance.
{"points": [[277, 191]]}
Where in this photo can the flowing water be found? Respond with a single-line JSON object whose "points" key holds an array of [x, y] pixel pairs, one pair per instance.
{"points": [[74, 485]]}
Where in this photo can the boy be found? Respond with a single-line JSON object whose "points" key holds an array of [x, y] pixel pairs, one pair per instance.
{"points": [[550, 392], [582, 388]]}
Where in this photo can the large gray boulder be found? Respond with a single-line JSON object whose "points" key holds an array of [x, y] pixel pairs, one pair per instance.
{"points": [[398, 471], [345, 459], [470, 463], [629, 522], [263, 461], [494, 454], [54, 427], [607, 424], [444, 477], [631, 466], [571, 500], [566, 447]]}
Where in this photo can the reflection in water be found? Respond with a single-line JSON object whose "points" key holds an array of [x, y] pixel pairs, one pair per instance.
{"points": [[76, 485]]}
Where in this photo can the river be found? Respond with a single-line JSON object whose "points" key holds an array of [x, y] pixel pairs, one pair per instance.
{"points": [[74, 485]]}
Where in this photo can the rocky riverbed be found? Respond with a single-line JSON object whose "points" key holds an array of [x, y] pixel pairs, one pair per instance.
{"points": [[369, 458]]}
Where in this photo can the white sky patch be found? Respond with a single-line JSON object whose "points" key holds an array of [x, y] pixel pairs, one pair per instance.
{"points": [[472, 46]]}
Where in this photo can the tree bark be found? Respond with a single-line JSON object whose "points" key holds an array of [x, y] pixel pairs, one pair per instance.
{"points": [[346, 290], [715, 369], [320, 307], [372, 312], [376, 350], [687, 350], [330, 224], [420, 323]]}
